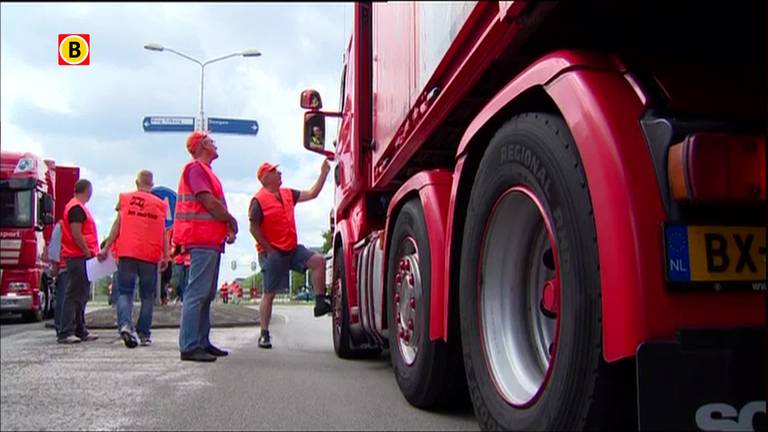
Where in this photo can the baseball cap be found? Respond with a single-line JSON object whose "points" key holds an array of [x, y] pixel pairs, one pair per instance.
{"points": [[265, 168], [194, 139]]}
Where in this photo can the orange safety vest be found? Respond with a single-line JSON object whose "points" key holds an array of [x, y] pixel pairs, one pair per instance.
{"points": [[142, 226], [278, 223], [224, 290], [69, 249], [193, 224]]}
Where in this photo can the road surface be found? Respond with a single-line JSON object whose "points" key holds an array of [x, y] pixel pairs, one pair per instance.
{"points": [[298, 385]]}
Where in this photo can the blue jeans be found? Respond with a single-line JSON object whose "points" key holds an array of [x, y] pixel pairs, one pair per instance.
{"points": [[115, 292], [127, 271], [199, 293], [61, 286]]}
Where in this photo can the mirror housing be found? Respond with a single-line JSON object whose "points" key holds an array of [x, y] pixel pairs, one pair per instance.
{"points": [[310, 99], [46, 202], [314, 132]]}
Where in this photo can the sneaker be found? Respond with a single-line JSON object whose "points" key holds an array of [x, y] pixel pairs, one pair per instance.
{"points": [[265, 341], [145, 341], [216, 351], [322, 307], [129, 338], [198, 355], [88, 337], [71, 339]]}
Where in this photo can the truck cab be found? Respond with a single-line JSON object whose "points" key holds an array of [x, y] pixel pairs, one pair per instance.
{"points": [[28, 207]]}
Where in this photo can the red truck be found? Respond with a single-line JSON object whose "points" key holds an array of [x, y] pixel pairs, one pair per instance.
{"points": [[33, 193], [555, 207]]}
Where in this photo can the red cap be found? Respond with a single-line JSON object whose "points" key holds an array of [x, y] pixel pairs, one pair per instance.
{"points": [[194, 139], [265, 168]]}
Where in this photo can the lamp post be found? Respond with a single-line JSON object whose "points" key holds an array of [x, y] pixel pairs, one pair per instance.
{"points": [[200, 124]]}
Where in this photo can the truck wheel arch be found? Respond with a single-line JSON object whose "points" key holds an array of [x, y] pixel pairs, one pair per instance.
{"points": [[537, 87], [433, 190]]}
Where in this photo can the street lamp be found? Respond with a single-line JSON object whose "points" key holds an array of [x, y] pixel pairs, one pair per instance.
{"points": [[244, 53]]}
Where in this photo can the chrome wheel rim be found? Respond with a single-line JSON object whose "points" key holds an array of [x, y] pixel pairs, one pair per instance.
{"points": [[519, 296], [407, 294]]}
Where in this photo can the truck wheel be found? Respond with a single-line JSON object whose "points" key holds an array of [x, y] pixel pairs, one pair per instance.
{"points": [[342, 341], [428, 373], [46, 287], [530, 286], [38, 314]]}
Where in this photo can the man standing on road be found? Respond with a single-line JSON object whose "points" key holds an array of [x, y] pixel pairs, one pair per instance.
{"points": [[79, 243], [202, 225], [141, 243], [273, 226]]}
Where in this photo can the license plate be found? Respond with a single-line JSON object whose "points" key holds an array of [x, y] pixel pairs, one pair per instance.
{"points": [[720, 256], [8, 302]]}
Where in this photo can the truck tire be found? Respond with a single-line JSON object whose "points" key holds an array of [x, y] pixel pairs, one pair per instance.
{"points": [[342, 340], [428, 373], [530, 285], [47, 289]]}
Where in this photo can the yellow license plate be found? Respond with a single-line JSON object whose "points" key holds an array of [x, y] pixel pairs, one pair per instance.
{"points": [[715, 253]]}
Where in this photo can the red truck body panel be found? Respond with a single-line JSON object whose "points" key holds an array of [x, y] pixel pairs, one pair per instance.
{"points": [[600, 101]]}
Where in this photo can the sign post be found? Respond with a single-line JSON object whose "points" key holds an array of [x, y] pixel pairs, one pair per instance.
{"points": [[169, 196]]}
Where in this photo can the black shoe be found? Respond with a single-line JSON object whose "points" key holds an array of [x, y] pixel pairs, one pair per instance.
{"points": [[265, 341], [129, 338], [322, 307], [198, 355], [215, 351]]}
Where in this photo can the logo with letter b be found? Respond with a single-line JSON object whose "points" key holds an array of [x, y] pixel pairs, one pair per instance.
{"points": [[74, 49]]}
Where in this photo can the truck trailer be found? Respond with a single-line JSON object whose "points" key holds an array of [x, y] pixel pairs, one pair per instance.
{"points": [[33, 193], [555, 208]]}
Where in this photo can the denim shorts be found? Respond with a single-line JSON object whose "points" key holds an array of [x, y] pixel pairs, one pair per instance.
{"points": [[277, 266]]}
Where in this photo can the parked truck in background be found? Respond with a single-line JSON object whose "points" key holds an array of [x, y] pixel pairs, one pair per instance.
{"points": [[555, 207], [33, 193]]}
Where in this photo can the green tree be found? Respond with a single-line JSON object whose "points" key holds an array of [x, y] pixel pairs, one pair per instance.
{"points": [[327, 241]]}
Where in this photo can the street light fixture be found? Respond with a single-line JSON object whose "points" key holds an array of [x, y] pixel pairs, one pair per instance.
{"points": [[245, 53]]}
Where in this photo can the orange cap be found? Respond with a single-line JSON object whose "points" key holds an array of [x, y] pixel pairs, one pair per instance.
{"points": [[265, 168], [194, 139]]}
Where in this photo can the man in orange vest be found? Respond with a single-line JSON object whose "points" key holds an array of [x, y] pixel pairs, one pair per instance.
{"points": [[181, 263], [202, 224], [224, 292], [79, 243], [273, 225], [141, 244]]}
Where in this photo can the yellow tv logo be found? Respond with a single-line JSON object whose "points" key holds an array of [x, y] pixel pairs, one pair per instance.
{"points": [[74, 49]]}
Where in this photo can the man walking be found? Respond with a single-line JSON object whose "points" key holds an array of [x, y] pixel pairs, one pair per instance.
{"points": [[79, 243], [273, 226], [202, 225], [140, 244]]}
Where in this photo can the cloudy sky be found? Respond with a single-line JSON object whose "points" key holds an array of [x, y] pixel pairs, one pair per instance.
{"points": [[91, 116]]}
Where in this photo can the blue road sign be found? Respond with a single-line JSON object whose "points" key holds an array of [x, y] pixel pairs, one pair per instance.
{"points": [[233, 126], [169, 196], [168, 124]]}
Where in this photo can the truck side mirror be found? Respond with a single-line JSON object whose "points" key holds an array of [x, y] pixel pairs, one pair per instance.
{"points": [[46, 202], [314, 133], [310, 99]]}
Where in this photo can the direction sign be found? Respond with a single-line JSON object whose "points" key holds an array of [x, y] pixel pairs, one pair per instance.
{"points": [[233, 126], [169, 196], [168, 124]]}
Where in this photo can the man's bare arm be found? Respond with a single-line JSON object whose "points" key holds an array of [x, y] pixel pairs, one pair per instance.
{"points": [[260, 238], [314, 191], [77, 235], [217, 209]]}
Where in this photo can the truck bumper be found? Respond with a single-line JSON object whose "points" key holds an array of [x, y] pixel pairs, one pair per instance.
{"points": [[14, 303], [705, 380]]}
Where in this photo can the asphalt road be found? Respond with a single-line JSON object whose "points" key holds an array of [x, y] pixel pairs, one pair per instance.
{"points": [[298, 385]]}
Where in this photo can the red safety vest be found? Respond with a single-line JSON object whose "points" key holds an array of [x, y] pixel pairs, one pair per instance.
{"points": [[278, 223], [69, 248], [193, 224], [142, 226]]}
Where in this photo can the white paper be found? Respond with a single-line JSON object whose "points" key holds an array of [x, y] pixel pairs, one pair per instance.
{"points": [[96, 270]]}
